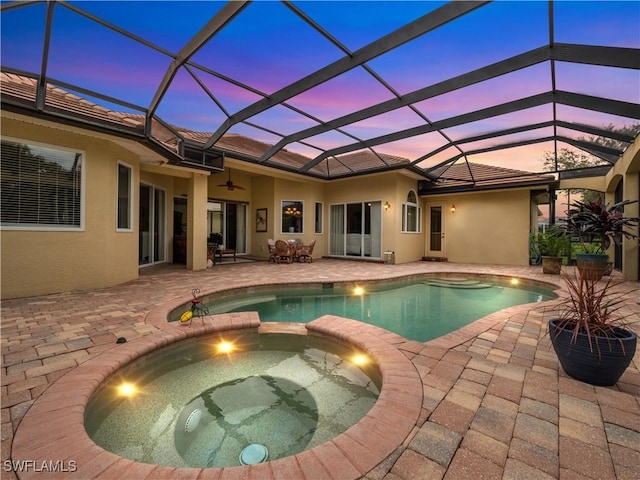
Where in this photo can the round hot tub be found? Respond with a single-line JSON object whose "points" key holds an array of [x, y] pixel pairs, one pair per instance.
{"points": [[221, 402]]}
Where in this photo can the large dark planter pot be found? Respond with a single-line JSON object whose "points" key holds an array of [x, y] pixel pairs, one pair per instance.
{"points": [[598, 367], [592, 266], [551, 265]]}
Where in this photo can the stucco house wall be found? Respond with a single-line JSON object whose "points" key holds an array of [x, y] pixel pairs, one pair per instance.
{"points": [[627, 171], [490, 227], [36, 262], [487, 227], [262, 194]]}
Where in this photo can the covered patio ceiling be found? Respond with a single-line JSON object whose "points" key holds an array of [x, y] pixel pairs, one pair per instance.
{"points": [[337, 89]]}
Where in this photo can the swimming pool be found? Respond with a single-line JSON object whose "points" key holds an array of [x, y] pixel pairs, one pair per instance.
{"points": [[419, 309]]}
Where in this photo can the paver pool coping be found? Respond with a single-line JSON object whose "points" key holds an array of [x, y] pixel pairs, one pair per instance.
{"points": [[159, 315], [353, 453]]}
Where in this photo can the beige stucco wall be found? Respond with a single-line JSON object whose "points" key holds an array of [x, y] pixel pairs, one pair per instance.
{"points": [[390, 187], [263, 191], [486, 228], [309, 192], [490, 227], [39, 262], [267, 188], [627, 170], [268, 192], [591, 183]]}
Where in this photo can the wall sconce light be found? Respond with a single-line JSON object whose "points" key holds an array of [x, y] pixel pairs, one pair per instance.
{"points": [[387, 206], [453, 209]]}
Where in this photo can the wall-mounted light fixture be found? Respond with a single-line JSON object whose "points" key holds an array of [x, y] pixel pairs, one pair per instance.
{"points": [[453, 209], [387, 206]]}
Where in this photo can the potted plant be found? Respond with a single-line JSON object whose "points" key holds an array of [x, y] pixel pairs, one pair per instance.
{"points": [[590, 337], [600, 223], [215, 238], [553, 245]]}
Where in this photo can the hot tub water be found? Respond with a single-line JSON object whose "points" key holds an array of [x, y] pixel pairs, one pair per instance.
{"points": [[273, 396]]}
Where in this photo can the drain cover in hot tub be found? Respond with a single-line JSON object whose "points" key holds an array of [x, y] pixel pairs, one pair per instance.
{"points": [[253, 453]]}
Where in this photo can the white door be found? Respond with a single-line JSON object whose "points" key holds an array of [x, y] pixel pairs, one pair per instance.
{"points": [[435, 233]]}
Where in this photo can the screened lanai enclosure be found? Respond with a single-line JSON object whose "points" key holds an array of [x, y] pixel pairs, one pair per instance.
{"points": [[338, 89]]}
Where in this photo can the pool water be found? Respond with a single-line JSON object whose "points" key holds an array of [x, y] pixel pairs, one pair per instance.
{"points": [[278, 394], [418, 310]]}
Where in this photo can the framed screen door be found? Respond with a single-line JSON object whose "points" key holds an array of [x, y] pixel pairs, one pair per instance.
{"points": [[435, 237]]}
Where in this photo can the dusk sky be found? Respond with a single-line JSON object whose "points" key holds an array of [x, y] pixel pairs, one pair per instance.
{"points": [[267, 46]]}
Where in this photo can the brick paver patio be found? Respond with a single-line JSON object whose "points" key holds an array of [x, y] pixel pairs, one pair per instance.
{"points": [[494, 402]]}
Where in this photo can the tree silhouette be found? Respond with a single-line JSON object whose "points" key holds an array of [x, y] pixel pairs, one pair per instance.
{"points": [[572, 159], [576, 159]]}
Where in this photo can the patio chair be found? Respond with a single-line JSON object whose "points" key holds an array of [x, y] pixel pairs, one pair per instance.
{"points": [[295, 244], [305, 252], [271, 244], [284, 252]]}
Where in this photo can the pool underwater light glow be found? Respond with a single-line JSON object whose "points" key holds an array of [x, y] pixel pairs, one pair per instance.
{"points": [[359, 291], [360, 359], [126, 389], [225, 347]]}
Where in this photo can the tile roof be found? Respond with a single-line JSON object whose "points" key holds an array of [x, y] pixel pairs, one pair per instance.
{"points": [[476, 175], [21, 90]]}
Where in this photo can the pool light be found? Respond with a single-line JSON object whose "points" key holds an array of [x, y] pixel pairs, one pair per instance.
{"points": [[225, 347], [515, 281], [126, 389], [360, 359], [359, 291]]}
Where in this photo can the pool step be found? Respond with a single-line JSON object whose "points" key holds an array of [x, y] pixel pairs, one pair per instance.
{"points": [[456, 282], [241, 302]]}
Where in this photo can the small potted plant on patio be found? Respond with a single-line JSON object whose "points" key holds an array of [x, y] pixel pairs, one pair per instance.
{"points": [[600, 223], [590, 337], [553, 245], [215, 239]]}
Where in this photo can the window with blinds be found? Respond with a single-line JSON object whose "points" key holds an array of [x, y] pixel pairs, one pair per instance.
{"points": [[41, 187]]}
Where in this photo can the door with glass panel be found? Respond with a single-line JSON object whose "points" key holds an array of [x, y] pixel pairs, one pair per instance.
{"points": [[435, 238], [356, 230], [227, 225], [152, 225]]}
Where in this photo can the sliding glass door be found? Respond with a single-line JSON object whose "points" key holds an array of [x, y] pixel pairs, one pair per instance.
{"points": [[227, 225], [152, 231], [356, 230], [336, 230], [236, 227]]}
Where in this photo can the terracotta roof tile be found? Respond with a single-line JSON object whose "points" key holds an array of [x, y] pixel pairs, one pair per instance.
{"points": [[464, 174], [22, 90]]}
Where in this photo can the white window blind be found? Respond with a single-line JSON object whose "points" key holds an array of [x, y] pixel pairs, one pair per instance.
{"points": [[40, 186]]}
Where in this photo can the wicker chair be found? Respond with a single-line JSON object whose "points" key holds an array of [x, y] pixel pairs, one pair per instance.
{"points": [[271, 243], [284, 252], [305, 252]]}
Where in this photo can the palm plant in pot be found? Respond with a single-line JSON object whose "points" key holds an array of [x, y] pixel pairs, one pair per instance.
{"points": [[600, 223], [591, 337], [553, 245]]}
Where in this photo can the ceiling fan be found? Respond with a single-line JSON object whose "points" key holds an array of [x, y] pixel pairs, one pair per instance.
{"points": [[229, 184]]}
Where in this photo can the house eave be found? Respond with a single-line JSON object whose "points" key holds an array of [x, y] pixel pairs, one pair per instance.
{"points": [[428, 192]]}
